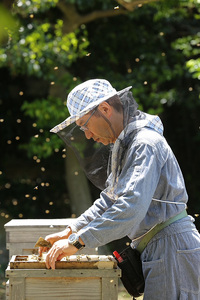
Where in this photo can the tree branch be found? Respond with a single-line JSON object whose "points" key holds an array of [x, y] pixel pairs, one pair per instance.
{"points": [[131, 5], [102, 14], [72, 19]]}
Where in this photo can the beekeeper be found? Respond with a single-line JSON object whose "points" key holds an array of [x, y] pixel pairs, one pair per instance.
{"points": [[145, 187]]}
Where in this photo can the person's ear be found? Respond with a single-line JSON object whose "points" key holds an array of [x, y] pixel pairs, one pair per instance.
{"points": [[105, 109]]}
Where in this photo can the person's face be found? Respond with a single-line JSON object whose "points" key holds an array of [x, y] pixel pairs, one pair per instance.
{"points": [[97, 127]]}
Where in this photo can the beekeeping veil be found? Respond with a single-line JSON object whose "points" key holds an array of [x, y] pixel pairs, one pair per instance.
{"points": [[92, 156]]}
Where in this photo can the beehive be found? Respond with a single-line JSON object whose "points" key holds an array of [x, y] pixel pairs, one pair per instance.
{"points": [[85, 277]]}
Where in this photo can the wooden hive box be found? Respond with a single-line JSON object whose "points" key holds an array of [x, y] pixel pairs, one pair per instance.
{"points": [[85, 277], [22, 234]]}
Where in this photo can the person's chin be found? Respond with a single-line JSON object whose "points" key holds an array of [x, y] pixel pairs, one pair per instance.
{"points": [[105, 142]]}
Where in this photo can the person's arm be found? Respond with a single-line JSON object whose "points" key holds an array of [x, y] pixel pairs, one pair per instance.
{"points": [[60, 245], [95, 211], [135, 189]]}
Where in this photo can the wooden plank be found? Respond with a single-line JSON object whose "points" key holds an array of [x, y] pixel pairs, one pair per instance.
{"points": [[14, 273], [21, 245], [37, 223], [109, 288], [7, 290], [29, 235], [63, 288], [21, 249], [17, 288]]}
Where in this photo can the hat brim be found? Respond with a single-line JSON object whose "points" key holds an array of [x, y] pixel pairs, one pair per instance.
{"points": [[74, 118]]}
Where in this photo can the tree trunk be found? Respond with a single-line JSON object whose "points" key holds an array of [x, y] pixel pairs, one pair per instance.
{"points": [[77, 183]]}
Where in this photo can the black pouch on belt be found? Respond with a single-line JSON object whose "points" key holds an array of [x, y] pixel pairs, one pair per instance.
{"points": [[132, 276]]}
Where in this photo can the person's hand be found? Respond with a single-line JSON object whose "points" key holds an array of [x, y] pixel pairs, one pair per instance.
{"points": [[52, 238], [59, 250]]}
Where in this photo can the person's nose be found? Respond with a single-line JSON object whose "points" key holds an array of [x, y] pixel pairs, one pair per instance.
{"points": [[88, 134]]}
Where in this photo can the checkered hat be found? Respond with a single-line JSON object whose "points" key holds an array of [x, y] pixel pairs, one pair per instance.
{"points": [[85, 97]]}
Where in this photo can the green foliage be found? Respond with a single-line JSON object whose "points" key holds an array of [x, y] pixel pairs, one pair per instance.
{"points": [[47, 113], [42, 145], [37, 48], [190, 44], [142, 53], [34, 6], [190, 47], [194, 67], [7, 23]]}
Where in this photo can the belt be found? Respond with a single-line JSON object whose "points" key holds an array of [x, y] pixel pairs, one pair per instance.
{"points": [[143, 243]]}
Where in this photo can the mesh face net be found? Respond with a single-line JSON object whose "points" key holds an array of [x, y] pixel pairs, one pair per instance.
{"points": [[95, 158]]}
